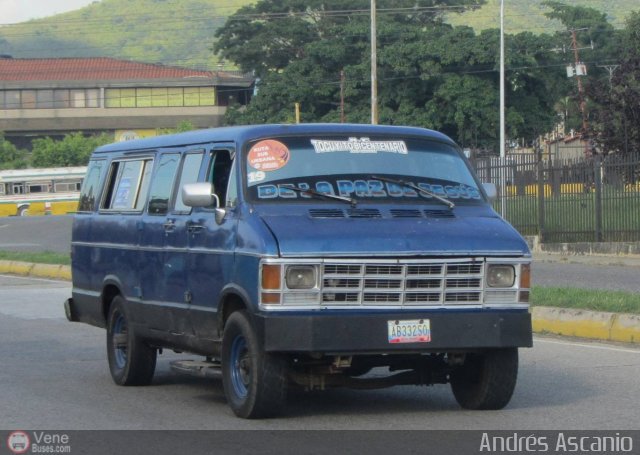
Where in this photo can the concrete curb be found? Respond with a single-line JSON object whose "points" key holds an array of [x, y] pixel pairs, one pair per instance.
{"points": [[560, 321], [594, 325], [50, 271]]}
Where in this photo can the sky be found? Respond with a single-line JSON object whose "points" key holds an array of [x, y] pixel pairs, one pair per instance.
{"points": [[12, 11]]}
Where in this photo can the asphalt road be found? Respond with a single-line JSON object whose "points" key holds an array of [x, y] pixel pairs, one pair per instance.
{"points": [[36, 233], [54, 375]]}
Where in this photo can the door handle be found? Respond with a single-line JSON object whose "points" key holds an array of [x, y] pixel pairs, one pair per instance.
{"points": [[195, 228], [169, 225]]}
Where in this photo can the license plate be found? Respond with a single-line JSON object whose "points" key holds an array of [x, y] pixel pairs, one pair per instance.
{"points": [[409, 331]]}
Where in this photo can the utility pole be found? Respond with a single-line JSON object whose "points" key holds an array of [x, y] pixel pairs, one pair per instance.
{"points": [[374, 66], [611, 69], [502, 96], [580, 70], [342, 96], [503, 163]]}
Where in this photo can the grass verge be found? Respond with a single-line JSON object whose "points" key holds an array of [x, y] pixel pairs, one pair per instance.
{"points": [[586, 299], [43, 257]]}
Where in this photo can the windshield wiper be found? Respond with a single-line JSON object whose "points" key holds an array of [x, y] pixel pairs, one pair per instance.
{"points": [[311, 192], [404, 183]]}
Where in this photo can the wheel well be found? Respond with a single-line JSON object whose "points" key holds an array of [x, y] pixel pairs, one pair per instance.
{"points": [[108, 293], [230, 303]]}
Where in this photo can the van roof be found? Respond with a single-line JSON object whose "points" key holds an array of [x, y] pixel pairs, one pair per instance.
{"points": [[254, 132]]}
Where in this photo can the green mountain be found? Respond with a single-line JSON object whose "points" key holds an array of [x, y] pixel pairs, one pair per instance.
{"points": [[528, 15], [181, 32], [178, 32]]}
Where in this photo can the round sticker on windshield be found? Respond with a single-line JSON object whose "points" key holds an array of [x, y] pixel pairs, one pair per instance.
{"points": [[268, 155]]}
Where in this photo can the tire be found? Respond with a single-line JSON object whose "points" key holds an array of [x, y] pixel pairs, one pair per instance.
{"points": [[23, 211], [486, 380], [132, 361], [255, 382]]}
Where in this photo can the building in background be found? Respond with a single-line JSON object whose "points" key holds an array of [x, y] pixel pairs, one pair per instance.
{"points": [[57, 96]]}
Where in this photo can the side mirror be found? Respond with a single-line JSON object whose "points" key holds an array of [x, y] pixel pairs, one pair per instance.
{"points": [[491, 190], [202, 194], [199, 195]]}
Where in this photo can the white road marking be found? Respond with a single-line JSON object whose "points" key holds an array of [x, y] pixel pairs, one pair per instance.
{"points": [[47, 280], [586, 345]]}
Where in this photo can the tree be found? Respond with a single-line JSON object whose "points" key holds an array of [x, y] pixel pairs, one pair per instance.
{"points": [[10, 156], [73, 150], [271, 34], [430, 73], [616, 121]]}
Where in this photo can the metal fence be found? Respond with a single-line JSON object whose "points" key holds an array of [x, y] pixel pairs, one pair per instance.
{"points": [[581, 200]]}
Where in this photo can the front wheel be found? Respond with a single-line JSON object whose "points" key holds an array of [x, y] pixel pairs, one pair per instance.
{"points": [[254, 381], [131, 360], [486, 380]]}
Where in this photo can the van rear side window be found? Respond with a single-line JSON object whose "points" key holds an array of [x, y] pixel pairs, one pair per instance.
{"points": [[90, 188], [163, 184], [127, 185], [190, 170]]}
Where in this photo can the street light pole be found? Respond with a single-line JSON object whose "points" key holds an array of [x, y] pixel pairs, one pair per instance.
{"points": [[374, 64], [503, 163], [502, 125]]}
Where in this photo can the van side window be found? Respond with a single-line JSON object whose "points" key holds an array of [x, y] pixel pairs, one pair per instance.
{"points": [[127, 185], [162, 184], [232, 189], [189, 174], [144, 186], [219, 173], [90, 188]]}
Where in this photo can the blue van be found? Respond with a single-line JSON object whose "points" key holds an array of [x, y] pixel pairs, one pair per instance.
{"points": [[302, 255]]}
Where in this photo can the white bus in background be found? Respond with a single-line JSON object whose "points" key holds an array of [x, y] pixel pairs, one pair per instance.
{"points": [[42, 191]]}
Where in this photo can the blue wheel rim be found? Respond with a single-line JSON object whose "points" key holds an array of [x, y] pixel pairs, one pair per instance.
{"points": [[119, 330], [240, 367]]}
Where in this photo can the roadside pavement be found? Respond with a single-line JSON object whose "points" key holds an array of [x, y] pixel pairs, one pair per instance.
{"points": [[589, 259]]}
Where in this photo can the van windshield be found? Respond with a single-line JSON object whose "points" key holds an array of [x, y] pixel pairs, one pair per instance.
{"points": [[361, 168]]}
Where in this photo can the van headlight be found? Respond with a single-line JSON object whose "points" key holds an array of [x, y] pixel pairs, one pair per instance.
{"points": [[500, 276], [301, 277]]}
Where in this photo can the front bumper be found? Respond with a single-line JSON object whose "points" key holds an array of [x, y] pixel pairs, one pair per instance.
{"points": [[360, 333]]}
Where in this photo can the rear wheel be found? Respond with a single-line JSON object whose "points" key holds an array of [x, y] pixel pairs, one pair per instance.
{"points": [[254, 381], [486, 380], [131, 360]]}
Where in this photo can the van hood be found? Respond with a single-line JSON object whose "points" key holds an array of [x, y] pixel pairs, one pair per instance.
{"points": [[306, 235]]}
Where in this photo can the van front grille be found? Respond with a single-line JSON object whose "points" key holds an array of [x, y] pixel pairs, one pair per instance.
{"points": [[407, 283]]}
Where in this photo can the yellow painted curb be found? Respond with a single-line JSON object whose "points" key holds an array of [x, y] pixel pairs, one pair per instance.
{"points": [[5, 266], [587, 324], [46, 271], [64, 273], [626, 327], [20, 268], [577, 323], [51, 271]]}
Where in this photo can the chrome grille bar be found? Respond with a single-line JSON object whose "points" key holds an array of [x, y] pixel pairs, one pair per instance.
{"points": [[408, 283]]}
